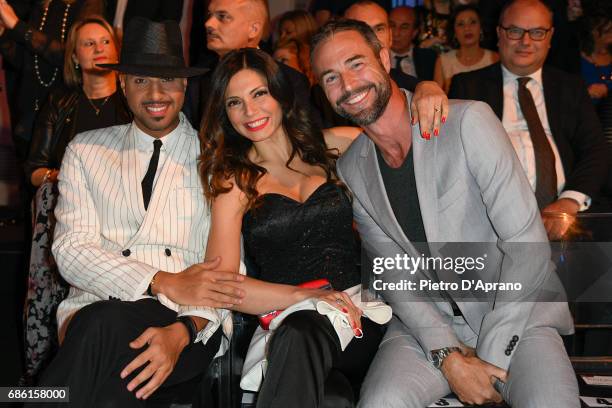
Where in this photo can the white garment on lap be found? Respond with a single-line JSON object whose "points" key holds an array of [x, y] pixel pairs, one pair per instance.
{"points": [[256, 364]]}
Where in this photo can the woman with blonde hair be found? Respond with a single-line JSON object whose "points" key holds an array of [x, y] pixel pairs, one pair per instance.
{"points": [[33, 44], [90, 100]]}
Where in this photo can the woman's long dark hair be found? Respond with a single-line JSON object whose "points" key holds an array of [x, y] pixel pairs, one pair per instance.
{"points": [[225, 153]]}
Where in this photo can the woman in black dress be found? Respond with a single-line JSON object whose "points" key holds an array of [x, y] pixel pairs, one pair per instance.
{"points": [[270, 174]]}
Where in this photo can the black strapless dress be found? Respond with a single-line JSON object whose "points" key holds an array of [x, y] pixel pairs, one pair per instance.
{"points": [[292, 242]]}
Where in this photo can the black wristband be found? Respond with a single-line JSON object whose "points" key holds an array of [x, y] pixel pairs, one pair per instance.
{"points": [[191, 327]]}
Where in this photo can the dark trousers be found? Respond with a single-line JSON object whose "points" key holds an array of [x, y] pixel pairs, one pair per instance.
{"points": [[307, 368], [96, 349]]}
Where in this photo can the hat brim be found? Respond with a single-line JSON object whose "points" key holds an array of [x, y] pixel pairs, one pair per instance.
{"points": [[158, 72]]}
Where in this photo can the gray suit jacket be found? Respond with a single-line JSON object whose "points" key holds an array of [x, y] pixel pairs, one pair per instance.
{"points": [[471, 188]]}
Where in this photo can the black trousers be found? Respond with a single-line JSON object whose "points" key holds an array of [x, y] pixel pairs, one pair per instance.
{"points": [[307, 368], [96, 349]]}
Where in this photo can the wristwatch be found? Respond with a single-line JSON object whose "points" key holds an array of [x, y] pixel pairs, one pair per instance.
{"points": [[438, 356]]}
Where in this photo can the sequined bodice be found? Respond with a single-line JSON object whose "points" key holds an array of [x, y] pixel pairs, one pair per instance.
{"points": [[292, 242]]}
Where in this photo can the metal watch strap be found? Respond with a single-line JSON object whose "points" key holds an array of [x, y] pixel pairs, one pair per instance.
{"points": [[438, 356]]}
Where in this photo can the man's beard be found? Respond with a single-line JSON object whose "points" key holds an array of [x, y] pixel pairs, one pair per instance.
{"points": [[371, 114]]}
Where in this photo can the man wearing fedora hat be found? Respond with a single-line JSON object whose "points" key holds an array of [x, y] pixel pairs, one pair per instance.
{"points": [[131, 231]]}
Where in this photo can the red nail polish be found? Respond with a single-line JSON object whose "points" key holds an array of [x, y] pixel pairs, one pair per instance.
{"points": [[443, 119], [427, 135], [412, 121], [436, 132], [358, 333], [345, 310]]}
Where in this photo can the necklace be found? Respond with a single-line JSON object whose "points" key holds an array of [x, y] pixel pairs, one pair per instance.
{"points": [[43, 83], [95, 108]]}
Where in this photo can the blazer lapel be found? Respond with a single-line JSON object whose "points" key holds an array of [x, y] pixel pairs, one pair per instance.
{"points": [[175, 161], [424, 153], [553, 100], [129, 175], [495, 88]]}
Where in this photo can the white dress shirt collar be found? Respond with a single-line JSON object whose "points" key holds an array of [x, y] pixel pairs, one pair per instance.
{"points": [[144, 142], [409, 53], [512, 77]]}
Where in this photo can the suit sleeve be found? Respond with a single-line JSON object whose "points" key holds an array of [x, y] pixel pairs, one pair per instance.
{"points": [[513, 212], [421, 317], [588, 146], [457, 88], [42, 138]]}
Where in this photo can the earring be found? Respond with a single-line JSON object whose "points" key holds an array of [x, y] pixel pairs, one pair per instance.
{"points": [[76, 65]]}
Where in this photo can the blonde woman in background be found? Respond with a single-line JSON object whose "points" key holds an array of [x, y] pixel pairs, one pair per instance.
{"points": [[91, 99]]}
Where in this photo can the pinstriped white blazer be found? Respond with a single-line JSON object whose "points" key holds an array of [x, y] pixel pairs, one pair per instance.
{"points": [[106, 245]]}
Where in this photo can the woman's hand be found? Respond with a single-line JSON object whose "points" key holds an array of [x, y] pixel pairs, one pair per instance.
{"points": [[598, 91], [7, 15], [343, 302], [42, 175]]}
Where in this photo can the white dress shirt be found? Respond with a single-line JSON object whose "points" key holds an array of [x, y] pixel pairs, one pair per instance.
{"points": [[516, 127], [144, 146], [407, 63]]}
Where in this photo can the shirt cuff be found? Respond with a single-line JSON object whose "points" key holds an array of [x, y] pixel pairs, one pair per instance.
{"points": [[210, 314], [582, 199]]}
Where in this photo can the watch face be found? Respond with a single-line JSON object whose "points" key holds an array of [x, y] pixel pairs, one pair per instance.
{"points": [[436, 360]]}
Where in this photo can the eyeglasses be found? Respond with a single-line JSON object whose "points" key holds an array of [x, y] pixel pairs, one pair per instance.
{"points": [[517, 33]]}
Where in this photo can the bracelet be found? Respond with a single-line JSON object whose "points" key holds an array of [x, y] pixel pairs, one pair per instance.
{"points": [[150, 287], [46, 176], [191, 327]]}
